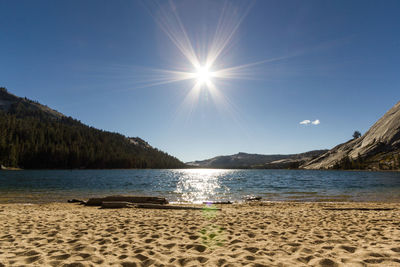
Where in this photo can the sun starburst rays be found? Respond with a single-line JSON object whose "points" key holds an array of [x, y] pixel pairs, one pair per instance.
{"points": [[229, 21], [205, 67]]}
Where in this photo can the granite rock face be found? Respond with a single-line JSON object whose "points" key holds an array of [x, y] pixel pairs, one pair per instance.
{"points": [[381, 143]]}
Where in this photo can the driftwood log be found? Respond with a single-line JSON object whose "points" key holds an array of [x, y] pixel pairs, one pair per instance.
{"points": [[130, 199], [115, 204], [217, 202]]}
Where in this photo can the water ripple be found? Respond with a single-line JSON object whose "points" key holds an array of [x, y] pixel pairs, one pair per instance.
{"points": [[198, 185]]}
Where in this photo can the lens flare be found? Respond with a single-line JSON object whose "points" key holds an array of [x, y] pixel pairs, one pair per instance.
{"points": [[205, 58]]}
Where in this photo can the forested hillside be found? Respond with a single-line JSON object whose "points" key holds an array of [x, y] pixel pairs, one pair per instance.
{"points": [[33, 136]]}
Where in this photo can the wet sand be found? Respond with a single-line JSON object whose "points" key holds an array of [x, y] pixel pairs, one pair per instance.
{"points": [[256, 234]]}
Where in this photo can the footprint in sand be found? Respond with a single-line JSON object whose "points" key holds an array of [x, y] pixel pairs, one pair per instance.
{"points": [[193, 237], [348, 248], [250, 258], [373, 261], [221, 262], [61, 256], [74, 264], [32, 259], [141, 257], [377, 255], [327, 263], [305, 259], [84, 255], [235, 241], [396, 249], [170, 245], [251, 249], [31, 253], [199, 248], [202, 259], [122, 257]]}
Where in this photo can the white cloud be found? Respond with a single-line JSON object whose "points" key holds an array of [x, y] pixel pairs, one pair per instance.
{"points": [[305, 122]]}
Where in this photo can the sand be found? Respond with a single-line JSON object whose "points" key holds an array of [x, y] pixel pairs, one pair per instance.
{"points": [[258, 234]]}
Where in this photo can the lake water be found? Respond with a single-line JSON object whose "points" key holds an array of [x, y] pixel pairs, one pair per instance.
{"points": [[198, 185]]}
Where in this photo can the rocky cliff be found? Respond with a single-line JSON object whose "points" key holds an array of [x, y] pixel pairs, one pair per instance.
{"points": [[378, 148]]}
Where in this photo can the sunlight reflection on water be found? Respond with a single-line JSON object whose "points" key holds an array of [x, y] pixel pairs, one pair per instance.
{"points": [[199, 185]]}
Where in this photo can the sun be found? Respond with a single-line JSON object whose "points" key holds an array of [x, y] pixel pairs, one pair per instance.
{"points": [[203, 75], [205, 68]]}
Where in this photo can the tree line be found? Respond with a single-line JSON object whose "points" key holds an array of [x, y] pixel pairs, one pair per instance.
{"points": [[33, 139]]}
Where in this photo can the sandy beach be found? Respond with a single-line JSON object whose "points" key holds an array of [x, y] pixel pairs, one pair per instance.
{"points": [[255, 234]]}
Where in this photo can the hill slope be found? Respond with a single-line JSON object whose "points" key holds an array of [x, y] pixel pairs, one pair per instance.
{"points": [[244, 160], [36, 136], [377, 149]]}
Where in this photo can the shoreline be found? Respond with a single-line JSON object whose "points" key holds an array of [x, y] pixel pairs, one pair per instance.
{"points": [[4, 168], [255, 233], [300, 200], [227, 205]]}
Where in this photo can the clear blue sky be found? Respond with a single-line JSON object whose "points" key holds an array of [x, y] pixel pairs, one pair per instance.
{"points": [[338, 62]]}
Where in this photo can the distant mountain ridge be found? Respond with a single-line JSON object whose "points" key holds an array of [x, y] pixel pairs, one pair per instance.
{"points": [[377, 149], [35, 136], [253, 161]]}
